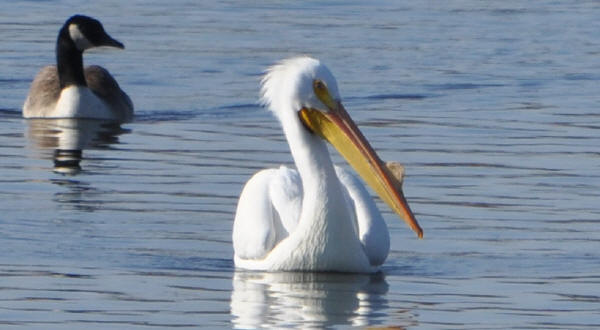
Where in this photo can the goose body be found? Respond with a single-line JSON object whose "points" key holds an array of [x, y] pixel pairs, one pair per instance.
{"points": [[68, 90], [318, 217]]}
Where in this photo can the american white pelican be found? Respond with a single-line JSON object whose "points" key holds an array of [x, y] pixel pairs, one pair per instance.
{"points": [[318, 217]]}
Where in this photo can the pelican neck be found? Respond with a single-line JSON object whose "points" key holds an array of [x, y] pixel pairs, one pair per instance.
{"points": [[321, 188]]}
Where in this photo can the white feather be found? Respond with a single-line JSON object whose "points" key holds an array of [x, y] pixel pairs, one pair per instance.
{"points": [[316, 218], [81, 42], [80, 102]]}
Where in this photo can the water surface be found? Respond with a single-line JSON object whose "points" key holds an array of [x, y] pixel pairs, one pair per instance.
{"points": [[493, 109]]}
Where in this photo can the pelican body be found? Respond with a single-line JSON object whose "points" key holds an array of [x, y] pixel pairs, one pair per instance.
{"points": [[317, 217], [68, 90]]}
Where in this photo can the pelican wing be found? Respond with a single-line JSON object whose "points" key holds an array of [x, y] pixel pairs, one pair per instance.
{"points": [[270, 205], [372, 230], [268, 210]]}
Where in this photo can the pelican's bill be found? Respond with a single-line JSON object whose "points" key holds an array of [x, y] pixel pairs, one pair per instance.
{"points": [[339, 129]]}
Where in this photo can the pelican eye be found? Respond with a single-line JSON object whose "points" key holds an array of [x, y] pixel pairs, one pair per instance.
{"points": [[323, 93], [319, 85]]}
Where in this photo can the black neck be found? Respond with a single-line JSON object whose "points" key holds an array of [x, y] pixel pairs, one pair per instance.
{"points": [[69, 60]]}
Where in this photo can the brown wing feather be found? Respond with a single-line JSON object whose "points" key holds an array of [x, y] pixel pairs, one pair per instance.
{"points": [[43, 93], [101, 82]]}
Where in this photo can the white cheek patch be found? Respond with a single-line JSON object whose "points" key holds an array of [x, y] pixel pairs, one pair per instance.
{"points": [[81, 42]]}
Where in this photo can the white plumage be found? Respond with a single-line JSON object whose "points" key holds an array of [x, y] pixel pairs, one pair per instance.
{"points": [[319, 217]]}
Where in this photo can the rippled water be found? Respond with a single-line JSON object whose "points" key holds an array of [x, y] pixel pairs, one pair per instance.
{"points": [[492, 107]]}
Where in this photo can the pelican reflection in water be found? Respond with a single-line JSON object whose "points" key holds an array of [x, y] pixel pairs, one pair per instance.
{"points": [[309, 300]]}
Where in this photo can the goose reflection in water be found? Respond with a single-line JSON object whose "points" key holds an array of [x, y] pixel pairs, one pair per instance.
{"points": [[65, 139], [287, 299]]}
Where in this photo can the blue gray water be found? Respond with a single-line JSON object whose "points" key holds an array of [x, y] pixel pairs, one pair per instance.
{"points": [[492, 107]]}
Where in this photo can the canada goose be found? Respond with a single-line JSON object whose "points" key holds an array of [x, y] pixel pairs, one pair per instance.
{"points": [[67, 90]]}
